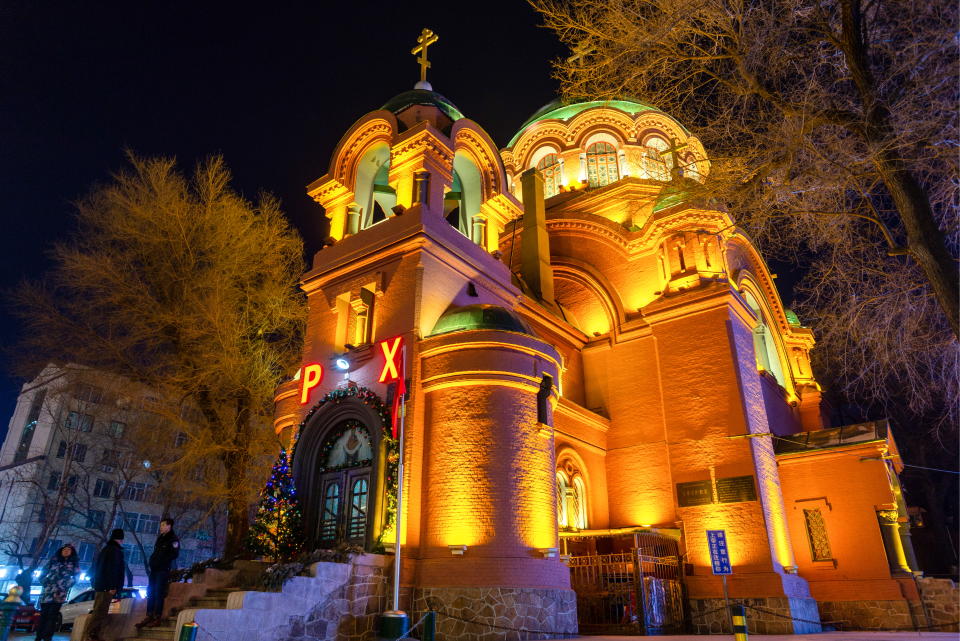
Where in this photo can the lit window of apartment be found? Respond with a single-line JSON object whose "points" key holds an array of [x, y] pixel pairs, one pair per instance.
{"points": [[78, 421]]}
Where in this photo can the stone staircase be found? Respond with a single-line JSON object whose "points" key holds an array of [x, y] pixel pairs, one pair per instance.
{"points": [[215, 599]]}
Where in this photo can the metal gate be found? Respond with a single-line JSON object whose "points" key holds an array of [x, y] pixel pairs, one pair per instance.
{"points": [[638, 591]]}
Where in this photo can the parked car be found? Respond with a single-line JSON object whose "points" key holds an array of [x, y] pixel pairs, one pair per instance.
{"points": [[26, 618], [83, 603]]}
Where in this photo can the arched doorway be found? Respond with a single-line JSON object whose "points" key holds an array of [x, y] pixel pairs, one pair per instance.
{"points": [[345, 480], [338, 465]]}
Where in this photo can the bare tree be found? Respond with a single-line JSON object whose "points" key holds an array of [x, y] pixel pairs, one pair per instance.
{"points": [[183, 288], [96, 473], [832, 133]]}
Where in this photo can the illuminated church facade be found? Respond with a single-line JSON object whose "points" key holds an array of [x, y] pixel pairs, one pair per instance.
{"points": [[591, 359]]}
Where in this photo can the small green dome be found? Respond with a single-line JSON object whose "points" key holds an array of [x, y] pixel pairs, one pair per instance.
{"points": [[422, 97], [792, 319], [461, 319]]}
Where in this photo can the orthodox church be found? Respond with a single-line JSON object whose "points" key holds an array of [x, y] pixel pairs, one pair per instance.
{"points": [[609, 419]]}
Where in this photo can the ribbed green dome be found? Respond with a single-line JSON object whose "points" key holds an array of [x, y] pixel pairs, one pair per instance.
{"points": [[558, 110], [422, 97], [460, 319], [792, 318]]}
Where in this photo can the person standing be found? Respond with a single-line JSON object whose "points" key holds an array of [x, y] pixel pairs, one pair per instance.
{"points": [[108, 571], [165, 552], [58, 577]]}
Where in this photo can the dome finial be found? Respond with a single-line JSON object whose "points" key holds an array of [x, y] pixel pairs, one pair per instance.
{"points": [[426, 38]]}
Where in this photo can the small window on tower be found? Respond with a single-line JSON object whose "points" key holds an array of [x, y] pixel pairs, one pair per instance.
{"points": [[355, 322], [361, 317], [543, 401]]}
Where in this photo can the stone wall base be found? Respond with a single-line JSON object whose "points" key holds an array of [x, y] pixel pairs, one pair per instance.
{"points": [[941, 598], [496, 614], [343, 602], [938, 612], [769, 615], [867, 615]]}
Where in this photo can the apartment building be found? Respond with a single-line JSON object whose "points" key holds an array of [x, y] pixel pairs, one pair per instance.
{"points": [[73, 467]]}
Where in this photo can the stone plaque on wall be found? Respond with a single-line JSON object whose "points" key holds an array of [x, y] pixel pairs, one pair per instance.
{"points": [[736, 489], [694, 493]]}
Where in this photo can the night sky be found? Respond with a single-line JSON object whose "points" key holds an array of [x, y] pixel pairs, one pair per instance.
{"points": [[270, 89]]}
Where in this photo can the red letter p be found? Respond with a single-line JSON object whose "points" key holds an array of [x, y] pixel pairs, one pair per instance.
{"points": [[312, 374]]}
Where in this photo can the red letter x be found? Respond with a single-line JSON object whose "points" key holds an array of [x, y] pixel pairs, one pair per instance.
{"points": [[390, 353]]}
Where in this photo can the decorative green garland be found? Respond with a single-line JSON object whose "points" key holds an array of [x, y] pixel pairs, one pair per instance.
{"points": [[371, 400]]}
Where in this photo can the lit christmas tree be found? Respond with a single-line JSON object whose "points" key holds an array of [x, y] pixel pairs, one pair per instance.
{"points": [[277, 529]]}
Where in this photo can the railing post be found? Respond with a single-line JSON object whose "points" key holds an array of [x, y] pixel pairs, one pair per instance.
{"points": [[641, 601]]}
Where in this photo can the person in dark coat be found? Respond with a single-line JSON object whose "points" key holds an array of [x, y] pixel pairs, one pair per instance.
{"points": [[165, 552], [58, 577], [108, 572]]}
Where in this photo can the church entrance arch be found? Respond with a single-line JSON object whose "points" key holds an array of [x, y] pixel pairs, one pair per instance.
{"points": [[338, 465]]}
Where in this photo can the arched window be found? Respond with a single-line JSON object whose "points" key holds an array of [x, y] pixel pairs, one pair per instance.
{"points": [[350, 448], [550, 168], [656, 162], [579, 504], [562, 499], [331, 509], [571, 501], [359, 495], [602, 164]]}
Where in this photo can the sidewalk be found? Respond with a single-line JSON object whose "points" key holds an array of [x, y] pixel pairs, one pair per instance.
{"points": [[822, 636], [25, 636]]}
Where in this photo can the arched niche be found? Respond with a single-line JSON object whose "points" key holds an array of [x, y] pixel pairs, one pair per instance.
{"points": [[471, 142], [583, 305], [372, 192], [466, 194], [766, 344]]}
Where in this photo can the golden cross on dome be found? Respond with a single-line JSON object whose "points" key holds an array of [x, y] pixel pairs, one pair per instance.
{"points": [[426, 39]]}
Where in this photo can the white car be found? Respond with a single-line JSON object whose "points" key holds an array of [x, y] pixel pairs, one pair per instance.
{"points": [[83, 603]]}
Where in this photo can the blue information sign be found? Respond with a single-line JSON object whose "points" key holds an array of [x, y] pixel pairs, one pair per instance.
{"points": [[719, 554]]}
